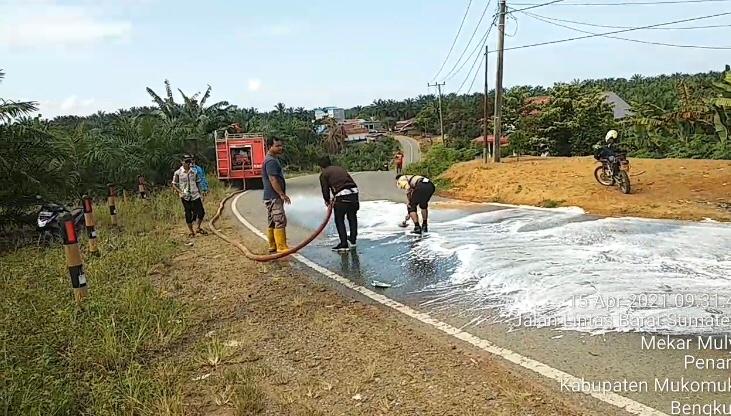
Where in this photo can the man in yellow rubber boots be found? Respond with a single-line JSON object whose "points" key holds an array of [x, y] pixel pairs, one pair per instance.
{"points": [[275, 196]]}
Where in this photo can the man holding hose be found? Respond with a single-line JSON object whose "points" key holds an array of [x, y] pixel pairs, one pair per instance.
{"points": [[275, 187], [337, 181]]}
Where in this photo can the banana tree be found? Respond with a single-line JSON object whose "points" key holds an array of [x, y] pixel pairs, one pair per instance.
{"points": [[721, 104]]}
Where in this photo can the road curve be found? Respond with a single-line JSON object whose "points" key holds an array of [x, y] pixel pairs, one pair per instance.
{"points": [[411, 149]]}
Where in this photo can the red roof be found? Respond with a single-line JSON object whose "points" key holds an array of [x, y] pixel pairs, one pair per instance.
{"points": [[490, 139]]}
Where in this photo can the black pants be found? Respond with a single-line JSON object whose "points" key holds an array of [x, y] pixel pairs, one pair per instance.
{"points": [[421, 196], [193, 210], [347, 205]]}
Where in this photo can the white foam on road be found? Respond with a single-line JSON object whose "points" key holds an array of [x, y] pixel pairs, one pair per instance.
{"points": [[555, 268], [627, 404]]}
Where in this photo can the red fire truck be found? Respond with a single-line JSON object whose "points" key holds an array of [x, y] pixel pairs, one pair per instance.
{"points": [[239, 157]]}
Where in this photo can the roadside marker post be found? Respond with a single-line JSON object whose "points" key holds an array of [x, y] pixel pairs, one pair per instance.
{"points": [[111, 200], [90, 223], [73, 258]]}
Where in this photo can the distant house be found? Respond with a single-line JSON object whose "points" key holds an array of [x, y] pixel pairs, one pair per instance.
{"points": [[619, 106], [406, 127], [533, 105], [480, 141], [332, 112]]}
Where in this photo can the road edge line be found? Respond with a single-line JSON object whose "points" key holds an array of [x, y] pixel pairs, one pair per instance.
{"points": [[545, 370]]}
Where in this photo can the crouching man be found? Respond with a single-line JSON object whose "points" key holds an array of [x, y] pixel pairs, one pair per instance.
{"points": [[419, 190]]}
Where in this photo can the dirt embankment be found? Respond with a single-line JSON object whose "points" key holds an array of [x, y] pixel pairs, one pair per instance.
{"points": [[271, 341], [668, 188]]}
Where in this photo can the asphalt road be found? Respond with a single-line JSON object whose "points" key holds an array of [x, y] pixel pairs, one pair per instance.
{"points": [[612, 356], [411, 149]]}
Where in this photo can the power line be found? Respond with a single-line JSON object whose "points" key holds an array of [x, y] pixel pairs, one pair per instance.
{"points": [[477, 27], [621, 31], [624, 3], [627, 39], [535, 5], [624, 27], [470, 73], [454, 42], [480, 44], [477, 72]]}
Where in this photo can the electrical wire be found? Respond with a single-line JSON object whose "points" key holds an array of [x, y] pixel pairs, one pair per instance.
{"points": [[454, 42], [469, 73], [536, 5], [479, 46], [624, 3], [532, 45], [484, 57], [477, 27], [624, 27], [626, 39]]}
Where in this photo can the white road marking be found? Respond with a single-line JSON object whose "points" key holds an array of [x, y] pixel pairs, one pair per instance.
{"points": [[627, 404]]}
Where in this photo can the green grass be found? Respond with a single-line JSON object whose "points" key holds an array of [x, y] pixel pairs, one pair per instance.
{"points": [[100, 358], [550, 203]]}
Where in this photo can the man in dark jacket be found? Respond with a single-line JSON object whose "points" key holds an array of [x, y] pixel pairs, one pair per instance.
{"points": [[337, 181]]}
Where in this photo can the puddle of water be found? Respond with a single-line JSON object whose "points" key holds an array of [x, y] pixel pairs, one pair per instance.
{"points": [[542, 267]]}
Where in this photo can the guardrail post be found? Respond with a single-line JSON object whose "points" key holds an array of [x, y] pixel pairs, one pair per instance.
{"points": [[90, 222], [111, 201], [73, 258]]}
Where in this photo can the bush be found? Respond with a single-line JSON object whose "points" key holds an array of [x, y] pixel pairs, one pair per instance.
{"points": [[367, 156], [438, 159]]}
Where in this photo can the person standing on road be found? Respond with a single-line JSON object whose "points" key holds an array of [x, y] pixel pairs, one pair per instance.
{"points": [[187, 184], [419, 190], [202, 176], [336, 180], [275, 187], [399, 161]]}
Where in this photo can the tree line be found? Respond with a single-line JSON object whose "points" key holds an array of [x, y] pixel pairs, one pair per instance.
{"points": [[678, 115], [63, 158]]}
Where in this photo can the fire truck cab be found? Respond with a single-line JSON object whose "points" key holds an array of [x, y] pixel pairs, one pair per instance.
{"points": [[239, 157]]}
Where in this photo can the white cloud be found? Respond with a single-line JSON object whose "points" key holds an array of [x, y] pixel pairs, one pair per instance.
{"points": [[71, 105], [44, 23], [254, 84]]}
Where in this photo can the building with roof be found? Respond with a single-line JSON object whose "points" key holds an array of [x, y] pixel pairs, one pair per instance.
{"points": [[333, 112]]}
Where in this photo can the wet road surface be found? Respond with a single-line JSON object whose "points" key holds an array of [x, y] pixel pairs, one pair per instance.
{"points": [[555, 285]]}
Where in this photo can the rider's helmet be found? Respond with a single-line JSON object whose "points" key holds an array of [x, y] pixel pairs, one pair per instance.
{"points": [[611, 136]]}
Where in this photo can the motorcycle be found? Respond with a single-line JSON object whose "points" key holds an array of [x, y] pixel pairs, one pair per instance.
{"points": [[49, 224], [613, 170]]}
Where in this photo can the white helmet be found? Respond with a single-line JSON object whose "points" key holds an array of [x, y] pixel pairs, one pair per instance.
{"points": [[611, 134]]}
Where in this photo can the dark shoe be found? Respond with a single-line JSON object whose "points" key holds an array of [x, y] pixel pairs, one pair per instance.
{"points": [[351, 243], [341, 247], [417, 229], [424, 228]]}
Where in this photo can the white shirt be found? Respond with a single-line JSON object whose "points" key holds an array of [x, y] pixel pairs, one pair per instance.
{"points": [[187, 182]]}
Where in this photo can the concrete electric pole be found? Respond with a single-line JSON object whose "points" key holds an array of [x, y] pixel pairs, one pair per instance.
{"points": [[484, 131], [441, 121], [499, 84]]}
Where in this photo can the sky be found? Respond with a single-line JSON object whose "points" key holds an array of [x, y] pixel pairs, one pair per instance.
{"points": [[82, 56]]}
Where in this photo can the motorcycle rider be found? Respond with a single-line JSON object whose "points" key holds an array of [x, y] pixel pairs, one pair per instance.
{"points": [[610, 148]]}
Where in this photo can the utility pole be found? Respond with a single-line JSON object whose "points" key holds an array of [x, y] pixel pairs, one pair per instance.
{"points": [[441, 121], [484, 131], [499, 84]]}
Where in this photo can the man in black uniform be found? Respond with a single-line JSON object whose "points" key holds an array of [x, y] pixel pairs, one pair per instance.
{"points": [[336, 180]]}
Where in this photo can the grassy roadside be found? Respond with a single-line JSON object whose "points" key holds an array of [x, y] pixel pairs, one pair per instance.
{"points": [[102, 358]]}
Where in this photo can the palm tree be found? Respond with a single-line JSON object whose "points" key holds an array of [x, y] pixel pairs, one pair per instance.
{"points": [[334, 139], [12, 109]]}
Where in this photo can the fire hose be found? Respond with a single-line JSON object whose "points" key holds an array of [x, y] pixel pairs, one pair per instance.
{"points": [[265, 257]]}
